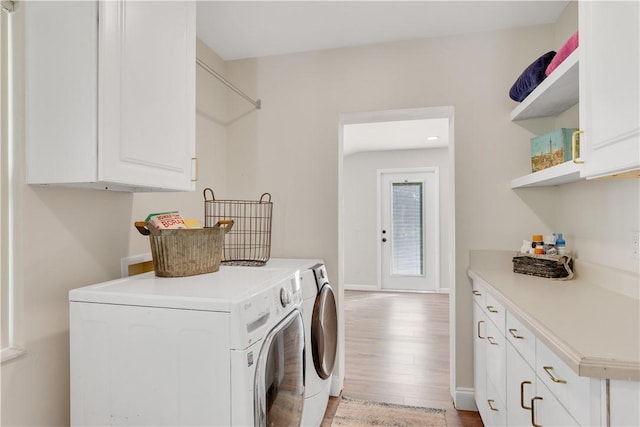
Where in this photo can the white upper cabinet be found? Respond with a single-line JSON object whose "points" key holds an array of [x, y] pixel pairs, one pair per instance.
{"points": [[609, 87], [110, 94]]}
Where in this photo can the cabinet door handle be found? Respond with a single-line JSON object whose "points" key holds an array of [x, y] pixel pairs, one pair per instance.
{"points": [[491, 309], [480, 336], [492, 341], [574, 143], [476, 292], [491, 402], [533, 411], [522, 384], [548, 370], [194, 173], [515, 335]]}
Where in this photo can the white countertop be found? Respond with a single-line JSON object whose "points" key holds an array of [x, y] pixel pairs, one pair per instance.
{"points": [[592, 328]]}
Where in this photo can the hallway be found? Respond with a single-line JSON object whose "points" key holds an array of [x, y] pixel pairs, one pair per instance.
{"points": [[397, 351]]}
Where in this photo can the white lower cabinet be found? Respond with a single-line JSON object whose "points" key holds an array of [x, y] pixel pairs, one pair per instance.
{"points": [[529, 401], [519, 381]]}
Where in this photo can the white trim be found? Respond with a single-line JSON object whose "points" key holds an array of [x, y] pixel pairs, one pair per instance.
{"points": [[389, 115], [356, 287], [464, 399], [12, 157]]}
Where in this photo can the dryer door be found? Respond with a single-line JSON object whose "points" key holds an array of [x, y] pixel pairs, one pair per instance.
{"points": [[279, 381], [324, 332]]}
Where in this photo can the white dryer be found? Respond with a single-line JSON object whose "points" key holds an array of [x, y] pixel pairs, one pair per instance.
{"points": [[223, 348], [321, 340]]}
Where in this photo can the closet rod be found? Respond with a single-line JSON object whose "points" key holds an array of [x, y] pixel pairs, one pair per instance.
{"points": [[227, 83]]}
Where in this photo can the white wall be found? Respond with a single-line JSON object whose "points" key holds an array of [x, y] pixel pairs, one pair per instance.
{"points": [[360, 209], [290, 148], [293, 141], [74, 238]]}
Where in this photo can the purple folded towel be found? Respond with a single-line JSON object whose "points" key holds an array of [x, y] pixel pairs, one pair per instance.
{"points": [[531, 77]]}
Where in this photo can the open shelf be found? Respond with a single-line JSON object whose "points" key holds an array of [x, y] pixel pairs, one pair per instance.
{"points": [[557, 93], [560, 174]]}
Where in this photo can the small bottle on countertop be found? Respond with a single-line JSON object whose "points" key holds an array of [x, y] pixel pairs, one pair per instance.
{"points": [[561, 245], [537, 244], [550, 245]]}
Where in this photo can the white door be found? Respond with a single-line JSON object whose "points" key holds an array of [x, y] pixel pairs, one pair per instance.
{"points": [[409, 238]]}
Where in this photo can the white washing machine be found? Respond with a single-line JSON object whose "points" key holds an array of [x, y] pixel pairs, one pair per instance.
{"points": [[321, 335], [225, 348]]}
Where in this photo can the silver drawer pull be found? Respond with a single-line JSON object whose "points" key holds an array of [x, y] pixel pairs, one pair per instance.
{"points": [[492, 341], [491, 309], [515, 335], [548, 370], [490, 402], [476, 293]]}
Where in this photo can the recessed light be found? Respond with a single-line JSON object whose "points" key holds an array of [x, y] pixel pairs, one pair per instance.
{"points": [[433, 138]]}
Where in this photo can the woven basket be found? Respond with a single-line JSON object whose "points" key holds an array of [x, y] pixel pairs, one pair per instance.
{"points": [[549, 266], [188, 252]]}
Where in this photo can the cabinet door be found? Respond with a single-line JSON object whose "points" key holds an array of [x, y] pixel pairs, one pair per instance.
{"points": [[521, 383], [147, 93], [624, 398], [609, 86], [548, 411], [480, 359], [496, 360]]}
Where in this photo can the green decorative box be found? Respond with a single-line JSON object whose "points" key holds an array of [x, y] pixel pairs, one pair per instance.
{"points": [[551, 149]]}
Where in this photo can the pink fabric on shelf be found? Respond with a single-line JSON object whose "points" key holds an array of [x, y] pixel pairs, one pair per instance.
{"points": [[563, 53]]}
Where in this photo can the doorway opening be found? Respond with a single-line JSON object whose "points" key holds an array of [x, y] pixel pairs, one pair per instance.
{"points": [[369, 144]]}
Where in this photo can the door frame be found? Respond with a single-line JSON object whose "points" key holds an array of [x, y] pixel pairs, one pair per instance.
{"points": [[436, 175], [461, 395]]}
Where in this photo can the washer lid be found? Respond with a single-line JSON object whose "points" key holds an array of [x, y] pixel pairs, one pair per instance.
{"points": [[324, 332]]}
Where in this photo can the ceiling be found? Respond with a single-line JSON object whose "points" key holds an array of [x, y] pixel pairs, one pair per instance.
{"points": [[395, 135], [252, 29]]}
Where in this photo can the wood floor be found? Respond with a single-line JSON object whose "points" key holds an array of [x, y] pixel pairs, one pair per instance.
{"points": [[397, 351]]}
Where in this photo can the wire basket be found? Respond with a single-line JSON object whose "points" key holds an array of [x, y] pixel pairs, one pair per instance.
{"points": [[249, 242]]}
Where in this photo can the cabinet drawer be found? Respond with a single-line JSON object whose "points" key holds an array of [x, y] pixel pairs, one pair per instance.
{"points": [[522, 339], [480, 295], [571, 390], [495, 312]]}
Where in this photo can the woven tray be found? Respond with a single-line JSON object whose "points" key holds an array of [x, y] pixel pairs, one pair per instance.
{"points": [[549, 266]]}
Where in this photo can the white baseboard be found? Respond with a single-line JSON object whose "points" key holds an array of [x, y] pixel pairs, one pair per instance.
{"points": [[464, 399], [352, 287]]}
